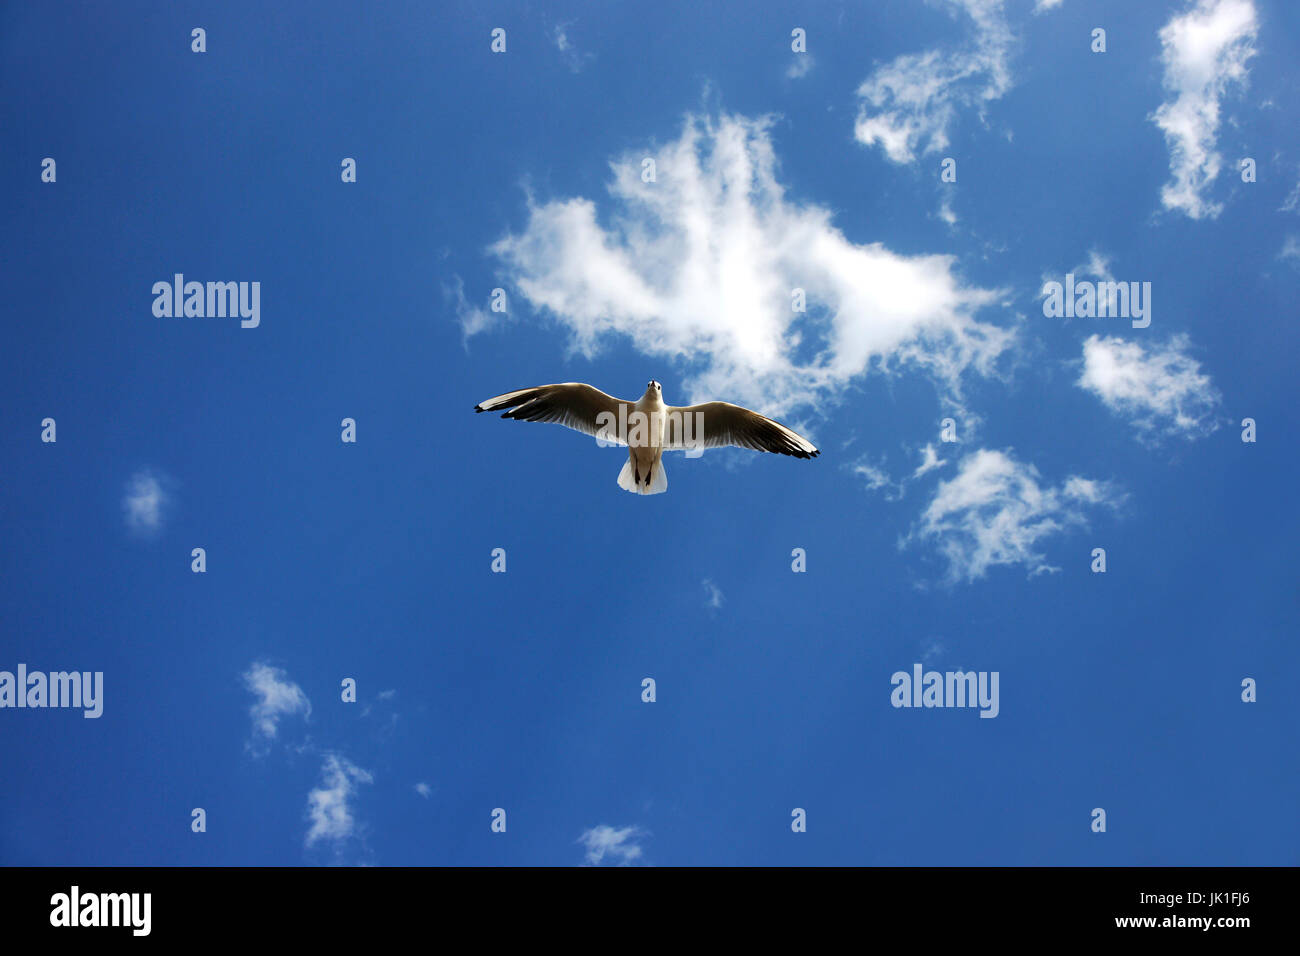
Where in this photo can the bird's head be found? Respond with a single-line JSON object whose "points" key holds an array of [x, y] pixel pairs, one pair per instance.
{"points": [[653, 386]]}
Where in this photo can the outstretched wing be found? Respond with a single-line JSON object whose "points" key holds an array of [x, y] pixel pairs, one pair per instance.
{"points": [[714, 424], [571, 404]]}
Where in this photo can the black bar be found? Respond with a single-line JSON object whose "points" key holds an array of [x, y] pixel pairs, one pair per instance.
{"points": [[302, 904]]}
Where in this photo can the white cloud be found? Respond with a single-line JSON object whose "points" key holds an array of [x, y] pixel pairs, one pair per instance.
{"points": [[909, 104], [573, 59], [1292, 201], [423, 789], [328, 805], [276, 696], [699, 267], [1204, 51], [614, 842], [800, 66], [145, 503], [1160, 389], [473, 318], [1098, 266], [874, 475], [714, 598], [996, 512], [1043, 6], [929, 461], [387, 694], [1290, 250]]}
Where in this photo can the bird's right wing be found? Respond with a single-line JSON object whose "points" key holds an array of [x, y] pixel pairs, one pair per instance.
{"points": [[714, 424], [571, 404]]}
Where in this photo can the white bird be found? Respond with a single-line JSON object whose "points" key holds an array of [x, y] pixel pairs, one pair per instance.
{"points": [[648, 427]]}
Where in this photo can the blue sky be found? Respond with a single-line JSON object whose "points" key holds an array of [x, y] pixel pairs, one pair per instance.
{"points": [[522, 171]]}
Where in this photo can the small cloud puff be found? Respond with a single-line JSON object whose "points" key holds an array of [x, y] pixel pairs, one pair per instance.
{"points": [[145, 503], [573, 59], [329, 806], [800, 66], [1160, 388], [277, 696], [616, 843], [997, 511]]}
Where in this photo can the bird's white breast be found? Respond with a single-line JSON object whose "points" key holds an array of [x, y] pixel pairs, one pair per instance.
{"points": [[653, 408]]}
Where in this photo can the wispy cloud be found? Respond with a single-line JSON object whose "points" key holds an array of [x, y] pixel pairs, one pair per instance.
{"points": [[473, 319], [911, 102], [277, 696], [1290, 251], [1160, 389], [1097, 265], [873, 475], [1292, 201], [329, 809], [617, 843], [574, 59], [423, 789], [701, 265], [713, 594], [997, 511], [1204, 51], [877, 477], [930, 460], [145, 502]]}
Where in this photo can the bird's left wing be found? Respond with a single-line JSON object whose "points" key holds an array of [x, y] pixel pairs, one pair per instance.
{"points": [[571, 404], [714, 424]]}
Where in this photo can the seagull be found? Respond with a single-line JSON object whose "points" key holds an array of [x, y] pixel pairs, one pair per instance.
{"points": [[648, 427]]}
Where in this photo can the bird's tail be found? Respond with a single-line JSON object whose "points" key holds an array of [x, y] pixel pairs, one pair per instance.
{"points": [[656, 483]]}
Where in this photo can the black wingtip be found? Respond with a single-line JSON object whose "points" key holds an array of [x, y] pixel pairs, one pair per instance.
{"points": [[478, 408]]}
